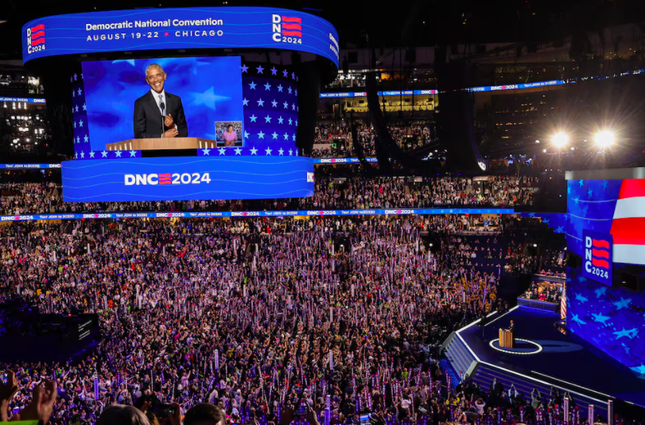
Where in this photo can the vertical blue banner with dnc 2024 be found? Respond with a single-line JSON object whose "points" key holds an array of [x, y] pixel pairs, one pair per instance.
{"points": [[179, 28]]}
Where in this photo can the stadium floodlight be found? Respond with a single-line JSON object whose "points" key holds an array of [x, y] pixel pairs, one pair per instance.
{"points": [[604, 139], [560, 139]]}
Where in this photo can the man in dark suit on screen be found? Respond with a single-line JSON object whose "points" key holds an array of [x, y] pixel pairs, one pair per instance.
{"points": [[158, 113]]}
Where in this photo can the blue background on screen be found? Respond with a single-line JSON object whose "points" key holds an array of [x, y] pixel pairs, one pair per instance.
{"points": [[210, 91]]}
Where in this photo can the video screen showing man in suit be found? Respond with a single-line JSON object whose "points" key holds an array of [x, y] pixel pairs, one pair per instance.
{"points": [[158, 113]]}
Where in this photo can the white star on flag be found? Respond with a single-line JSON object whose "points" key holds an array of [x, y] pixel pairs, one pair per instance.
{"points": [[76, 108], [91, 154], [76, 155], [260, 69], [73, 93], [290, 90], [290, 152], [293, 137], [80, 91], [222, 151], [104, 154], [75, 77], [245, 102], [118, 154], [273, 71], [133, 153], [267, 86], [280, 88], [82, 154], [293, 75], [80, 123], [85, 139], [274, 135], [286, 136], [280, 120], [74, 124], [244, 68], [267, 119], [295, 92], [78, 139], [268, 151], [260, 102], [296, 123], [254, 151], [261, 135], [206, 151], [290, 121], [286, 105], [281, 151], [285, 73], [238, 151], [84, 107], [246, 135], [294, 107], [252, 85], [274, 103], [253, 118]]}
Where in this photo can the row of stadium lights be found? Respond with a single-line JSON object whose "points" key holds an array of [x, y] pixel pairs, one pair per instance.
{"points": [[603, 140]]}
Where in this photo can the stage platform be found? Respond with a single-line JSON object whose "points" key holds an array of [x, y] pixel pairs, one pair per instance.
{"points": [[544, 358]]}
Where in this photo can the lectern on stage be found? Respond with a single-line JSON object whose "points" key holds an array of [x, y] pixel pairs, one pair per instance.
{"points": [[163, 143], [506, 338]]}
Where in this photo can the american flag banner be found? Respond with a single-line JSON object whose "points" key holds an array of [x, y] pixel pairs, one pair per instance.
{"points": [[628, 226]]}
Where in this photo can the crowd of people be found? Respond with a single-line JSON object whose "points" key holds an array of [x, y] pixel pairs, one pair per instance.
{"points": [[330, 193], [409, 135], [258, 317]]}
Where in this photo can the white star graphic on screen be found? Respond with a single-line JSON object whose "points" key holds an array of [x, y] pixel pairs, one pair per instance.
{"points": [[260, 69], [245, 102], [293, 137], [82, 154], [273, 71], [290, 152], [104, 154], [74, 124], [285, 73], [81, 76], [84, 107], [295, 92], [73, 93], [252, 85], [85, 139], [280, 119], [244, 68], [260, 102], [274, 135], [76, 155], [296, 123], [268, 151], [294, 107], [274, 104], [246, 135], [78, 139], [267, 119], [286, 136], [238, 151], [261, 135], [286, 105], [206, 152], [72, 109], [280, 87], [253, 118], [289, 89], [290, 121], [75, 77], [267, 86], [293, 75], [254, 151], [281, 151], [222, 151], [91, 154], [76, 108], [80, 91], [133, 153], [118, 154], [80, 123]]}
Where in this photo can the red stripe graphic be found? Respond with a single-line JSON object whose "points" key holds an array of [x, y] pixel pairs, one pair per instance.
{"points": [[600, 263], [632, 188], [290, 27], [35, 35], [628, 231], [164, 179], [292, 33], [37, 42], [38, 28], [600, 244], [600, 253], [291, 19]]}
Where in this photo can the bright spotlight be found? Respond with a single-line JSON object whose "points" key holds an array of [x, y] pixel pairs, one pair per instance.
{"points": [[560, 139], [604, 139]]}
